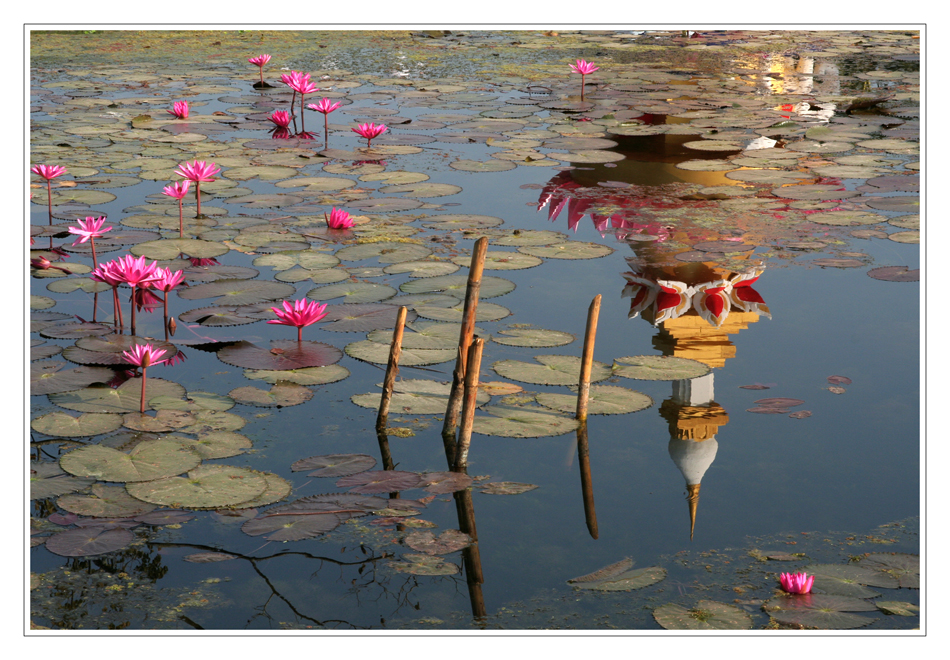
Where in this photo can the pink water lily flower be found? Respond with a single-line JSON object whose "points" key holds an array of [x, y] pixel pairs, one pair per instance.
{"points": [[260, 61], [178, 190], [135, 273], [49, 172], [583, 68], [325, 106], [301, 314], [144, 355], [179, 110], [89, 230], [301, 84], [369, 131], [796, 583], [281, 118], [338, 219], [198, 171]]}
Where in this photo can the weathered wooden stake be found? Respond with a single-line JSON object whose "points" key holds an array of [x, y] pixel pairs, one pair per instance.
{"points": [[583, 386], [473, 364], [587, 488], [392, 368], [465, 339]]}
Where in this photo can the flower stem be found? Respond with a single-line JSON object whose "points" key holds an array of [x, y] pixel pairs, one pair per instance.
{"points": [[299, 333], [132, 299], [142, 401], [181, 220], [92, 242], [49, 202], [198, 195]]}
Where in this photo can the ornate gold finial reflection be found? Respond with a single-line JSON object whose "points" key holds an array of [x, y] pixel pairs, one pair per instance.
{"points": [[690, 336], [693, 498]]}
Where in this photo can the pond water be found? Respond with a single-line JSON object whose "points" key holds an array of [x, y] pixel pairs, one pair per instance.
{"points": [[734, 198]]}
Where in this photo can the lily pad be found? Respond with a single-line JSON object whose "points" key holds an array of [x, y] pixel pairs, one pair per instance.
{"points": [[567, 250], [901, 566], [534, 337], [308, 259], [371, 351], [451, 540], [505, 488], [455, 285], [899, 608], [445, 482], [498, 260], [659, 367], [820, 611], [123, 399], [281, 394], [353, 292], [163, 421], [334, 465], [461, 222], [205, 487], [239, 292], [49, 480], [154, 459], [171, 248], [88, 541], [282, 355], [62, 424], [306, 376], [485, 312], [362, 317], [107, 349], [422, 268], [603, 400], [379, 481], [636, 578], [286, 527], [416, 396], [193, 402], [522, 422], [550, 370], [707, 615], [104, 502]]}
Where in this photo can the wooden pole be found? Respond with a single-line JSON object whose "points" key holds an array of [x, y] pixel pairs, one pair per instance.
{"points": [[392, 368], [473, 364], [465, 339], [587, 488], [583, 386]]}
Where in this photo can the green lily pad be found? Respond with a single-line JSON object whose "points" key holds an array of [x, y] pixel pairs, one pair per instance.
{"points": [[603, 400], [445, 482], [281, 394], [163, 421], [423, 189], [901, 566], [852, 573], [550, 370], [395, 177], [659, 367], [422, 268], [531, 237], [171, 248], [107, 349], [362, 317], [899, 608], [426, 334], [209, 421], [154, 459], [455, 285], [371, 351], [262, 172], [123, 399], [193, 402], [83, 284], [707, 615], [317, 183], [305, 376], [847, 218], [498, 260], [535, 337], [419, 564], [353, 292], [276, 489], [819, 611], [628, 580], [49, 480], [461, 222], [522, 422], [293, 527], [388, 253], [216, 444], [415, 397], [49, 377], [451, 540], [567, 250], [238, 292], [482, 165], [307, 259], [205, 487], [104, 502]]}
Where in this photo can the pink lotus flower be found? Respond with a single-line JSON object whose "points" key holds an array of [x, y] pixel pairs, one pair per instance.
{"points": [[281, 118], [49, 172], [369, 131], [338, 219], [179, 110], [302, 313], [796, 583], [260, 61], [42, 263], [583, 68], [135, 273], [178, 190], [301, 84], [166, 279], [325, 106], [89, 230], [144, 355], [198, 171]]}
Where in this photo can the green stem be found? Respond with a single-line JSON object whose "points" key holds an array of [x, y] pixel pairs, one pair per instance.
{"points": [[142, 402]]}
